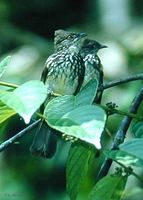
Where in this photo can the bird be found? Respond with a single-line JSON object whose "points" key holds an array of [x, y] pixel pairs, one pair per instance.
{"points": [[88, 51], [93, 66], [63, 74]]}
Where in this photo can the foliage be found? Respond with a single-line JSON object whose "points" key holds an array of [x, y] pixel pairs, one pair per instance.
{"points": [[110, 187], [79, 120]]}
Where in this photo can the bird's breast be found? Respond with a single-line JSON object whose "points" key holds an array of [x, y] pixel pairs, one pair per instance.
{"points": [[62, 76]]}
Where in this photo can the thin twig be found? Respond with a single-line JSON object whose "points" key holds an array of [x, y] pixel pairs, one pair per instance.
{"points": [[121, 81], [121, 133], [130, 171], [10, 141], [8, 84], [120, 112]]}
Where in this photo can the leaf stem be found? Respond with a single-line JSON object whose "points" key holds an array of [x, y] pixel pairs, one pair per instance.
{"points": [[41, 116], [8, 84]]}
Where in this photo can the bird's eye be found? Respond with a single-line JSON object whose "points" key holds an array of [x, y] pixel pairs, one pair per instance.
{"points": [[70, 37]]}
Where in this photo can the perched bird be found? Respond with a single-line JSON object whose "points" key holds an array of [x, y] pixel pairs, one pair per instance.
{"points": [[93, 66], [63, 74]]}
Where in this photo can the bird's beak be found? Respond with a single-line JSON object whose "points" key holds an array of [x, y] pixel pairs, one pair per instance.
{"points": [[103, 46]]}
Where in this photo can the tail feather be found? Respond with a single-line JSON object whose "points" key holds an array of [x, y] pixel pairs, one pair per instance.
{"points": [[45, 141]]}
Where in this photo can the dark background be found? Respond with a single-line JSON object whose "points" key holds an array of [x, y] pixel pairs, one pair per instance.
{"points": [[26, 33]]}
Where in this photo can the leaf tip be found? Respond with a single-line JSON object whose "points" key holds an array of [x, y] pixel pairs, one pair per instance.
{"points": [[26, 119]]}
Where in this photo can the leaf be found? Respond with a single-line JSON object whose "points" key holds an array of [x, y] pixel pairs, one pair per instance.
{"points": [[133, 147], [110, 188], [73, 116], [5, 113], [84, 122], [137, 129], [69, 102], [88, 93], [25, 99], [129, 153], [59, 106], [124, 158], [79, 158], [3, 64]]}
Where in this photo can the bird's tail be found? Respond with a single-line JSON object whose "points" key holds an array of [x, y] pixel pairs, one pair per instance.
{"points": [[45, 141]]}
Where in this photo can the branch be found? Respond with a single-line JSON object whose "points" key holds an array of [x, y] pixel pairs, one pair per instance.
{"points": [[121, 133], [10, 141], [121, 81], [103, 87]]}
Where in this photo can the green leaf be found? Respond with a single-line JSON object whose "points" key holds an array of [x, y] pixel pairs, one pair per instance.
{"points": [[79, 159], [133, 147], [88, 93], [84, 122], [3, 64], [124, 158], [5, 113], [59, 106], [137, 129], [129, 153], [110, 188], [25, 99], [73, 116]]}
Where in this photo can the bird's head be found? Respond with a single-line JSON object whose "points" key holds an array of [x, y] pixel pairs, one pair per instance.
{"points": [[64, 39], [91, 46]]}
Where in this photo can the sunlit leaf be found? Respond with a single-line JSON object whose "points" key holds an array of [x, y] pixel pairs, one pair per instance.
{"points": [[84, 122], [79, 158], [109, 188], [59, 106], [133, 147], [3, 64], [25, 99], [75, 116], [129, 153], [124, 158]]}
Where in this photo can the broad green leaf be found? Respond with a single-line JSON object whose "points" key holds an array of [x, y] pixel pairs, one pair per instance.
{"points": [[26, 99], [59, 106], [71, 115], [109, 188], [84, 122], [69, 102], [63, 104], [137, 129], [133, 147], [88, 93], [5, 113], [129, 153], [124, 158], [3, 64], [79, 160]]}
